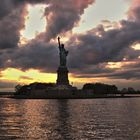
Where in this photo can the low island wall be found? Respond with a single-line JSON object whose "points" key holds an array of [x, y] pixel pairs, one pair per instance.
{"points": [[61, 94]]}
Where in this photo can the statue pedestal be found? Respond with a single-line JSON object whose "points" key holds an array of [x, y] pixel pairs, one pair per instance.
{"points": [[62, 76]]}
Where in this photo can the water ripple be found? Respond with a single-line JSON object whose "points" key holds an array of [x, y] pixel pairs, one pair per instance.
{"points": [[101, 119]]}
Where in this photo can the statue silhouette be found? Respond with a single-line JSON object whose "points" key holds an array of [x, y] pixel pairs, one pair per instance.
{"points": [[62, 53]]}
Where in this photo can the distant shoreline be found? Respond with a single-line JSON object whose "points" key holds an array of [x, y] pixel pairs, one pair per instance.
{"points": [[7, 93], [74, 97], [66, 96]]}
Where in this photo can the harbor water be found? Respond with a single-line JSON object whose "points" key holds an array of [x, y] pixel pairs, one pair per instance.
{"points": [[77, 119]]}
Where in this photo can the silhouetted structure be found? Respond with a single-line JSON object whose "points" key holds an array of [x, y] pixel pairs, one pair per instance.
{"points": [[62, 72], [99, 88], [25, 89], [129, 90]]}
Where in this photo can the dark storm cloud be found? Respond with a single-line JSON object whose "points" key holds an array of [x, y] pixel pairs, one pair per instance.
{"points": [[114, 45], [128, 71], [93, 71], [11, 22], [63, 15], [127, 74], [36, 54], [124, 74]]}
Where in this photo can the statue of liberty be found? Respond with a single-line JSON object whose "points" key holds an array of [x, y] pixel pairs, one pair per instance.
{"points": [[62, 53]]}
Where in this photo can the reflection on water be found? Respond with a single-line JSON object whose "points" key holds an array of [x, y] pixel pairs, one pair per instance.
{"points": [[63, 119], [70, 119]]}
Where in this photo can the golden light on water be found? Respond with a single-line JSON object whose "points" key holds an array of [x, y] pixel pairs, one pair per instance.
{"points": [[35, 23]]}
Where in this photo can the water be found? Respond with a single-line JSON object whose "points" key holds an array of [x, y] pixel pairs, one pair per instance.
{"points": [[105, 119]]}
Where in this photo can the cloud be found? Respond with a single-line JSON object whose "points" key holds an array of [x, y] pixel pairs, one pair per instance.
{"points": [[63, 15], [134, 11], [11, 22], [37, 55], [32, 55], [111, 46], [25, 78], [89, 52], [131, 70], [96, 47]]}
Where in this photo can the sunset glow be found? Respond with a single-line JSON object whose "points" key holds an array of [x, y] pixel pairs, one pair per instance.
{"points": [[27, 76], [30, 76]]}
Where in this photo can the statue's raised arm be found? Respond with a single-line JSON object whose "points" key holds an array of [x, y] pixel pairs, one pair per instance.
{"points": [[59, 42], [62, 53]]}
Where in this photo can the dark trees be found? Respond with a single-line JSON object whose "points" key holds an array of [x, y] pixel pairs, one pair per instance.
{"points": [[101, 88]]}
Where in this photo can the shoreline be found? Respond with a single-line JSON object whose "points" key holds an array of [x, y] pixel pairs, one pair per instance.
{"points": [[94, 97], [65, 95]]}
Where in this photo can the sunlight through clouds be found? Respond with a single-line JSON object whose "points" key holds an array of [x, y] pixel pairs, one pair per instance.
{"points": [[136, 46], [111, 10], [35, 22]]}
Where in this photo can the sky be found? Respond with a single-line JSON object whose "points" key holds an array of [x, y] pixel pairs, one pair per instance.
{"points": [[102, 37]]}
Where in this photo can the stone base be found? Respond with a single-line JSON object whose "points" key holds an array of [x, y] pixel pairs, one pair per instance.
{"points": [[62, 76]]}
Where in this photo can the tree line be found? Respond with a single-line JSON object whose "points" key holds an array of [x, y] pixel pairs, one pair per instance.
{"points": [[108, 89], [97, 88]]}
